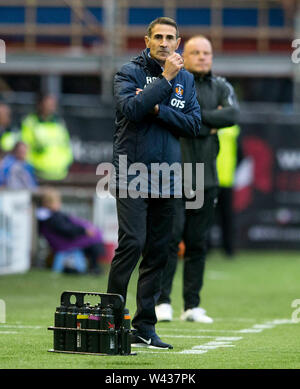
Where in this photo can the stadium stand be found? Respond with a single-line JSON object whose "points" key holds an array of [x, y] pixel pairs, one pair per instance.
{"points": [[72, 48]]}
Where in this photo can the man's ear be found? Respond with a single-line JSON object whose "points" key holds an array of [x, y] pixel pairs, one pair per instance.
{"points": [[147, 41], [178, 42]]}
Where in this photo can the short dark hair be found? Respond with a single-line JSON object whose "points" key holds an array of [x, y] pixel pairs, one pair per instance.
{"points": [[41, 96], [163, 20]]}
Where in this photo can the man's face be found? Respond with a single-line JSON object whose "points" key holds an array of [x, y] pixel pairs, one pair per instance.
{"points": [[21, 152], [198, 56], [5, 116], [49, 105], [162, 42]]}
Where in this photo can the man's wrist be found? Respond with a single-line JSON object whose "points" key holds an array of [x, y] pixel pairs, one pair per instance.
{"points": [[166, 77]]}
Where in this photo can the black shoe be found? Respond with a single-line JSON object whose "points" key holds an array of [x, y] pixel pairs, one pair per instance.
{"points": [[154, 341]]}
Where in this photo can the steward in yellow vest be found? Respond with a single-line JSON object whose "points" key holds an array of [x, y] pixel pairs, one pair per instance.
{"points": [[9, 135], [48, 140]]}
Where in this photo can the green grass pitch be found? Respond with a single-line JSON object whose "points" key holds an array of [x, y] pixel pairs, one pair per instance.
{"points": [[249, 297]]}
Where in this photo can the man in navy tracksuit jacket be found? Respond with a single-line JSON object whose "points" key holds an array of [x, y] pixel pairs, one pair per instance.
{"points": [[155, 104]]}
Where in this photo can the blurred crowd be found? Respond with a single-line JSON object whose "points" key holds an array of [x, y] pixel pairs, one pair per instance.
{"points": [[36, 150]]}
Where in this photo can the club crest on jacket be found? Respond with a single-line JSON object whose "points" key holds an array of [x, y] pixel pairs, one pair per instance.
{"points": [[179, 91]]}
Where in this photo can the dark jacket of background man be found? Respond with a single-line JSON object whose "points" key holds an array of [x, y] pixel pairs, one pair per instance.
{"points": [[212, 91]]}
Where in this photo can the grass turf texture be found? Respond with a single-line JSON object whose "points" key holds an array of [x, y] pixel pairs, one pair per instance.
{"points": [[253, 289]]}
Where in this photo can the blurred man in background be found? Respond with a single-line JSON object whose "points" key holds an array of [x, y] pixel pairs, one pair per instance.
{"points": [[219, 108], [15, 171], [47, 137], [9, 134]]}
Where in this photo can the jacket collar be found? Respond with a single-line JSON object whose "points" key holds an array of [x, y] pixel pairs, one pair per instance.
{"points": [[206, 76], [149, 63], [52, 118]]}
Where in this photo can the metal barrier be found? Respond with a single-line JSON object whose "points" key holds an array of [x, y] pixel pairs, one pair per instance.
{"points": [[15, 231], [105, 217]]}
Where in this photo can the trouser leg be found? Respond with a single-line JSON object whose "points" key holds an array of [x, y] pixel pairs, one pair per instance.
{"points": [[170, 268], [197, 226], [155, 254], [132, 219]]}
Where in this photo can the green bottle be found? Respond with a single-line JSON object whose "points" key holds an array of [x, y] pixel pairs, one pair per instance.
{"points": [[94, 324], [82, 323], [71, 322], [125, 333], [59, 321], [108, 339]]}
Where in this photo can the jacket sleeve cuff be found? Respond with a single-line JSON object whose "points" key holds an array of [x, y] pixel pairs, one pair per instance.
{"points": [[163, 78], [161, 111]]}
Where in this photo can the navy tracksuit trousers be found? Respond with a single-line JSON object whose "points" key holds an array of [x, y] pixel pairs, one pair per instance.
{"points": [[192, 227], [145, 228]]}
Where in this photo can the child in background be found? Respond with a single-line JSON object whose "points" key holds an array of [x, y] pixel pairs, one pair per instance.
{"points": [[64, 232]]}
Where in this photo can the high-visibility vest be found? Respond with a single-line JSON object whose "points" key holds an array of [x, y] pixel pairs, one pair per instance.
{"points": [[50, 150], [8, 139], [227, 157]]}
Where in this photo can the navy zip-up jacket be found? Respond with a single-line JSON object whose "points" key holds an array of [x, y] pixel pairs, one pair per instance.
{"points": [[142, 136]]}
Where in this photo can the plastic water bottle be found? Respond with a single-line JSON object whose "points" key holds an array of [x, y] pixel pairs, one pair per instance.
{"points": [[82, 323], [71, 321], [59, 321], [94, 324], [108, 340]]}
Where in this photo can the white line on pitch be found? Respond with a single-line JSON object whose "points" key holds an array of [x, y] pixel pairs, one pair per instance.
{"points": [[222, 341], [8, 332], [18, 326], [189, 336], [204, 337], [256, 328], [280, 321], [237, 319], [194, 330], [165, 352]]}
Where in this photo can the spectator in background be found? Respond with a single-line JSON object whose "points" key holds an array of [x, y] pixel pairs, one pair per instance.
{"points": [[9, 135], [15, 171], [229, 156], [64, 232], [50, 150], [219, 108]]}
